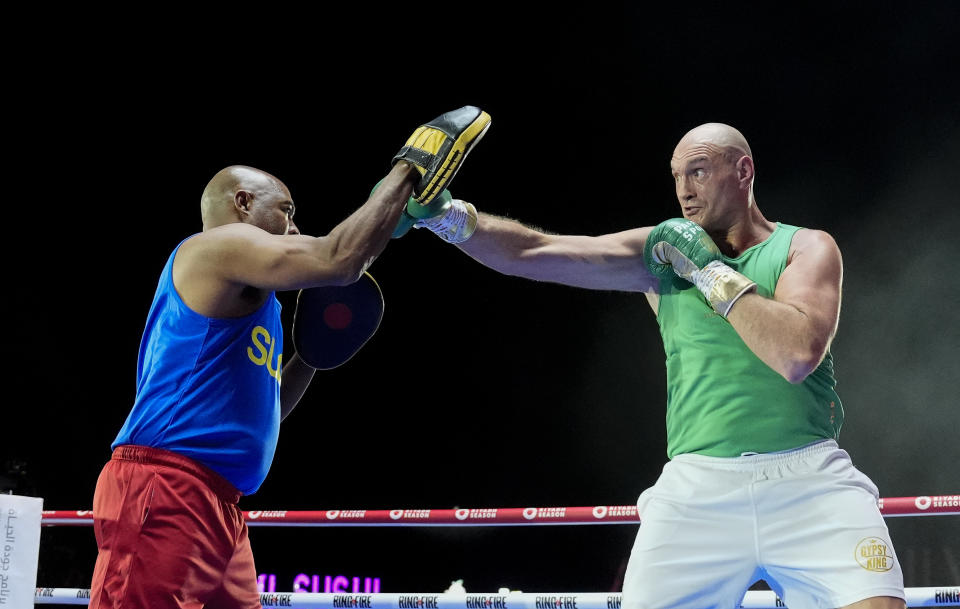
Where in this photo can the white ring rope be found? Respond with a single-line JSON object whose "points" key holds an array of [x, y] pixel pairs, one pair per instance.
{"points": [[945, 596], [942, 596]]}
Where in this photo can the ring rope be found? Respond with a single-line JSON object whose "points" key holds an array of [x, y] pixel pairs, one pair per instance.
{"points": [[944, 596], [934, 505]]}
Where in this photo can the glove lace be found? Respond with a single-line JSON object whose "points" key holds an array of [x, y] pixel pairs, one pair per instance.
{"points": [[454, 226]]}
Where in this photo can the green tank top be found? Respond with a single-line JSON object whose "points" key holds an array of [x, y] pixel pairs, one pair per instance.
{"points": [[722, 400]]}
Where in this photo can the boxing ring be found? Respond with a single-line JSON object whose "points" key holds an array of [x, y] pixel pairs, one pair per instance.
{"points": [[890, 507]]}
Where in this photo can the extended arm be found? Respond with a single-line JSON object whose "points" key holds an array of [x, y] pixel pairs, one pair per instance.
{"points": [[607, 262], [244, 255], [792, 331]]}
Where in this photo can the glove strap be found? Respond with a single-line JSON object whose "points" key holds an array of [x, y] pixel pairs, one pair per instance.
{"points": [[456, 225], [421, 159], [722, 285]]}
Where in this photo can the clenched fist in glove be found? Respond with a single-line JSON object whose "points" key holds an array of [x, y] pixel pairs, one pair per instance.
{"points": [[682, 247], [451, 219]]}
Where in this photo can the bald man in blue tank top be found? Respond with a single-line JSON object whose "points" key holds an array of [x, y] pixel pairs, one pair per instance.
{"points": [[204, 426], [756, 486]]}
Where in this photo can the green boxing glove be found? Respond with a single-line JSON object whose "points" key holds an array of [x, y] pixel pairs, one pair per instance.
{"points": [[404, 224], [436, 207], [451, 219], [682, 247]]}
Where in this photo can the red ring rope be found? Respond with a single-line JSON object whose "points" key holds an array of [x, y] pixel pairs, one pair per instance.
{"points": [[934, 505]]}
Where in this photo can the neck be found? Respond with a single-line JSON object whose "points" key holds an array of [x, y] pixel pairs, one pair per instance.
{"points": [[751, 229]]}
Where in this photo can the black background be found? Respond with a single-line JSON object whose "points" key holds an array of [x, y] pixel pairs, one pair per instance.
{"points": [[479, 390]]}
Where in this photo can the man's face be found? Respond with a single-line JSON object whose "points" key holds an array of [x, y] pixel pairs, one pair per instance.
{"points": [[706, 183], [273, 211]]}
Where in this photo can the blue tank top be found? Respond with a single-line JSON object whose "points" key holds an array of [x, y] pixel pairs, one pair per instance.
{"points": [[208, 388]]}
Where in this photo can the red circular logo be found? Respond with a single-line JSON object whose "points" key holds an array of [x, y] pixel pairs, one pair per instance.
{"points": [[337, 316]]}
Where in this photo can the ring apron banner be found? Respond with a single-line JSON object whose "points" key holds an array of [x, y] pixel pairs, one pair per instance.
{"points": [[19, 549]]}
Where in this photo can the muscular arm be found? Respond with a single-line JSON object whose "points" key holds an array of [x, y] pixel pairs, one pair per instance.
{"points": [[286, 262], [607, 262], [792, 331], [296, 378], [215, 269]]}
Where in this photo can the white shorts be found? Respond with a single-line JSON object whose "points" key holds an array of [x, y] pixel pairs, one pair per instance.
{"points": [[805, 521]]}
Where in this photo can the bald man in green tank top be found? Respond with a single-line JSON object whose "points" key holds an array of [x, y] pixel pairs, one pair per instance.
{"points": [[756, 486]]}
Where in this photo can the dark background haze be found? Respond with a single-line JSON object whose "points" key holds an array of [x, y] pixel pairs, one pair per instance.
{"points": [[481, 390]]}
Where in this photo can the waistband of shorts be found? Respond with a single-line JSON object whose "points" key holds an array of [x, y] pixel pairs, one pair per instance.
{"points": [[751, 461], [159, 456]]}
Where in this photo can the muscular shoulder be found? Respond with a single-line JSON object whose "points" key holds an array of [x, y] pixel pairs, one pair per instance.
{"points": [[222, 237], [207, 271], [813, 243], [224, 249]]}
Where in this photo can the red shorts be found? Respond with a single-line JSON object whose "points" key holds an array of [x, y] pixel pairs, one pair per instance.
{"points": [[170, 536]]}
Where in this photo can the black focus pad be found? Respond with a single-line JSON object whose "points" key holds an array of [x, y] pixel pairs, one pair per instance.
{"points": [[332, 323]]}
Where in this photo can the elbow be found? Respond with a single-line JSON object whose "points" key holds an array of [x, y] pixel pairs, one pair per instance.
{"points": [[797, 374], [797, 368], [349, 267], [347, 274]]}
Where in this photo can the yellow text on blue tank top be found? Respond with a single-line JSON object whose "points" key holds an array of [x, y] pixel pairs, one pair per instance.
{"points": [[264, 345]]}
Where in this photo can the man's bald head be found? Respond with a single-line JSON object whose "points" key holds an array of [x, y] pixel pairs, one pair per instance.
{"points": [[219, 200], [712, 167], [718, 136]]}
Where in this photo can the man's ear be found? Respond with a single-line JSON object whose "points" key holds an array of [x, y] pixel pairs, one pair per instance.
{"points": [[745, 171], [242, 201]]}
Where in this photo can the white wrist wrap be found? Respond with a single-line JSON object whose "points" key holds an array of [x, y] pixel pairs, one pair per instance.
{"points": [[455, 225], [721, 285]]}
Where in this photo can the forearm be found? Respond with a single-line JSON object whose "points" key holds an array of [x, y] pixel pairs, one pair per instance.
{"points": [[355, 242], [504, 245], [296, 377], [780, 334], [607, 262]]}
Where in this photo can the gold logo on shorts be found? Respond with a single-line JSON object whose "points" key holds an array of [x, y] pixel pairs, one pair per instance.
{"points": [[873, 554]]}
